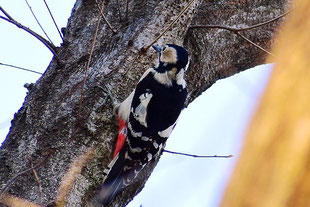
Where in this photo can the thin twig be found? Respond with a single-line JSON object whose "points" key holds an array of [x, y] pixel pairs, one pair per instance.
{"points": [[198, 156], [9, 19], [266, 22], [5, 13], [37, 180], [17, 67], [127, 5], [38, 21], [90, 55], [253, 43], [105, 19], [109, 95], [26, 171], [60, 34], [238, 30], [233, 29], [170, 25]]}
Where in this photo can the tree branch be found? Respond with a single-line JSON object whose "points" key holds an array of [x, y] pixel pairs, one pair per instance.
{"points": [[61, 36], [266, 22], [127, 4], [253, 43], [238, 30], [25, 69], [198, 156], [9, 19], [38, 181], [105, 19], [37, 21], [233, 29]]}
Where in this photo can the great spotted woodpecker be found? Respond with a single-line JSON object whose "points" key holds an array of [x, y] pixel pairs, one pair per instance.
{"points": [[146, 119]]}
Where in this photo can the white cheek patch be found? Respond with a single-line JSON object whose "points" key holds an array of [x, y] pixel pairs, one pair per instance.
{"points": [[169, 55], [140, 112]]}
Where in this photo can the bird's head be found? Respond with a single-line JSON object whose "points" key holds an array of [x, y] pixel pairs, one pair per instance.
{"points": [[172, 57]]}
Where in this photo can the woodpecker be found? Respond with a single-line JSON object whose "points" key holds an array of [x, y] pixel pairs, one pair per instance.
{"points": [[146, 119]]}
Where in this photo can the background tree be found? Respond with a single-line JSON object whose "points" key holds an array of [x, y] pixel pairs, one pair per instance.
{"points": [[66, 119]]}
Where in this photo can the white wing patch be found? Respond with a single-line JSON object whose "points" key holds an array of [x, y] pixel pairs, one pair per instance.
{"points": [[166, 133], [124, 107], [141, 111]]}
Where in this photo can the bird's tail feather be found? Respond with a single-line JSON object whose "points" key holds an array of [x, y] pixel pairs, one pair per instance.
{"points": [[119, 174], [113, 182]]}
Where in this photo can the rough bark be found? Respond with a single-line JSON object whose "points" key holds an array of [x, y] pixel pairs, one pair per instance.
{"points": [[50, 119]]}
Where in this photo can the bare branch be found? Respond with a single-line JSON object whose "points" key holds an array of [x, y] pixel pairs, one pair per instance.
{"points": [[5, 13], [105, 19], [266, 22], [233, 29], [60, 34], [127, 4], [25, 69], [38, 21], [37, 180], [198, 156], [253, 43], [238, 30], [26, 171], [9, 19]]}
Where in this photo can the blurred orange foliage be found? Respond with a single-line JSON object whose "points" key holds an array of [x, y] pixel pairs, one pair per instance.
{"points": [[274, 167]]}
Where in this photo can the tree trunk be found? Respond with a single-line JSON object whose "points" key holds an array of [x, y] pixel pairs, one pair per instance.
{"points": [[64, 115]]}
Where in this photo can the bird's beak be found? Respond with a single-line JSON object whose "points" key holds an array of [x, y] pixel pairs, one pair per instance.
{"points": [[157, 48]]}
